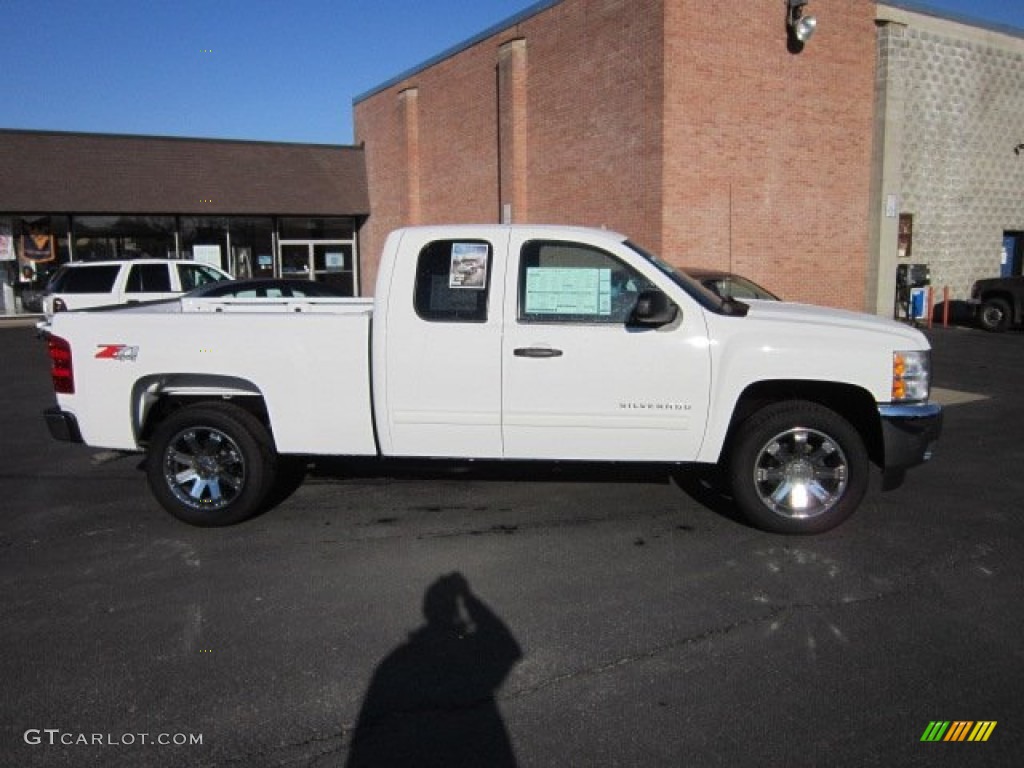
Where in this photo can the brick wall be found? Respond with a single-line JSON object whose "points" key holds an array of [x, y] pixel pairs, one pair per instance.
{"points": [[768, 153], [687, 126], [456, 170], [595, 92]]}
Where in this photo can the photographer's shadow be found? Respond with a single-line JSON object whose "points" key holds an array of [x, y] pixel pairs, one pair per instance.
{"points": [[431, 701]]}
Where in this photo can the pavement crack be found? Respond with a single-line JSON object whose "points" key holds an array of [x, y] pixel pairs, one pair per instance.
{"points": [[690, 640]]}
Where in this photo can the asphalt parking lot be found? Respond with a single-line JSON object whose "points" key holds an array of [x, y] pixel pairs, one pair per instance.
{"points": [[606, 620]]}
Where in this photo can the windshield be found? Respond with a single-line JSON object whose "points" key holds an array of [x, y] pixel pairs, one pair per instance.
{"points": [[698, 292], [736, 287]]}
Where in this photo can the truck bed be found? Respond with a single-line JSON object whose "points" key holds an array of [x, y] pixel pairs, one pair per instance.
{"points": [[312, 370]]}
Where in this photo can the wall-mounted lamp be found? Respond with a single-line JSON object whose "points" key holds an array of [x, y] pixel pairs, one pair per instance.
{"points": [[1018, 149], [801, 27]]}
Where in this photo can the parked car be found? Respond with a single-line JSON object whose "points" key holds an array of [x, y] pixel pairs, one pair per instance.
{"points": [[998, 302], [81, 285], [268, 288], [729, 285]]}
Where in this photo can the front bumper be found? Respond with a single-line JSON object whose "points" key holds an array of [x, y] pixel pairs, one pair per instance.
{"points": [[63, 426], [908, 433]]}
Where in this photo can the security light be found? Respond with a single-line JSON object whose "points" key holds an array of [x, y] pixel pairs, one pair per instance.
{"points": [[800, 27]]}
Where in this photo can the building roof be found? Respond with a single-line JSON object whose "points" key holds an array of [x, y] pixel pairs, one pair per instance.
{"points": [[49, 172]]}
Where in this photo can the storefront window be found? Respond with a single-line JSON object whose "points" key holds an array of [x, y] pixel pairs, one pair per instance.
{"points": [[317, 228], [40, 245], [205, 239], [243, 245], [123, 237], [252, 247], [32, 247], [334, 263]]}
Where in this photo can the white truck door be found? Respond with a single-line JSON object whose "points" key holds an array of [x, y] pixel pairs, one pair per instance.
{"points": [[442, 374], [579, 382]]}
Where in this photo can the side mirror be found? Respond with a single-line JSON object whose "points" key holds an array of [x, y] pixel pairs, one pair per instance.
{"points": [[653, 309]]}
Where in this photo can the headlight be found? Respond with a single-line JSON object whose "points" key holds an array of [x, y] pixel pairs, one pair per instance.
{"points": [[911, 376]]}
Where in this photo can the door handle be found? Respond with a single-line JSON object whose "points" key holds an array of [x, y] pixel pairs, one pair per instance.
{"points": [[537, 352]]}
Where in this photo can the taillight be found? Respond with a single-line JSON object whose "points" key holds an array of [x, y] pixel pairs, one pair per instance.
{"points": [[61, 368]]}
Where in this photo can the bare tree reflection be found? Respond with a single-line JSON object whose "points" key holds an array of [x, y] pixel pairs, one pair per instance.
{"points": [[431, 702]]}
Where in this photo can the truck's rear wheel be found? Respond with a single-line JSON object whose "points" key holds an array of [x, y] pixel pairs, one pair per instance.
{"points": [[798, 467], [994, 315], [211, 465]]}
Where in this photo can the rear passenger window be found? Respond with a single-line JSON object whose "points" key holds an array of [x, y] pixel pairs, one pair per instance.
{"points": [[87, 279], [453, 281], [148, 278]]}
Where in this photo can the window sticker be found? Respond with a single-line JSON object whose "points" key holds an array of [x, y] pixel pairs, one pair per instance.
{"points": [[469, 266], [567, 291]]}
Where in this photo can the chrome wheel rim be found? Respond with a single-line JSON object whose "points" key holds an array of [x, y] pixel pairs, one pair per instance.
{"points": [[204, 468], [801, 473]]}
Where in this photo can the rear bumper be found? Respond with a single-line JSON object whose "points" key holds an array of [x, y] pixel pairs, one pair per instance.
{"points": [[63, 426], [909, 432]]}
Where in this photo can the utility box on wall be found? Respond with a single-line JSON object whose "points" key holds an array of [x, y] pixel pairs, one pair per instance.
{"points": [[912, 281]]}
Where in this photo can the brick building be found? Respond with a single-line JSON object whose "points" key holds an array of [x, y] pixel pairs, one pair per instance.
{"points": [[893, 137], [697, 130]]}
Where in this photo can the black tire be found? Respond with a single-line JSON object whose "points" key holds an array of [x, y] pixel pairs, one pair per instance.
{"points": [[291, 473], [797, 467], [994, 315], [211, 464]]}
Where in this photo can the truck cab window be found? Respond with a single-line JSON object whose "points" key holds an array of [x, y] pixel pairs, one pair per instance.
{"points": [[563, 282], [453, 281]]}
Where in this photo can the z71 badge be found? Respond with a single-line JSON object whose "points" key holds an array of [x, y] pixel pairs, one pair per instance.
{"points": [[120, 352]]}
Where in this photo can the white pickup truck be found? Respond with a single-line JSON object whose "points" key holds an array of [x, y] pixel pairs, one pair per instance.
{"points": [[504, 343]]}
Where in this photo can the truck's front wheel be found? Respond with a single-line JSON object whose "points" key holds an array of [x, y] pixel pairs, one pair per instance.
{"points": [[798, 467], [211, 465]]}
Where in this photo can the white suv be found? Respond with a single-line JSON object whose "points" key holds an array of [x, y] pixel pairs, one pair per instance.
{"points": [[84, 284]]}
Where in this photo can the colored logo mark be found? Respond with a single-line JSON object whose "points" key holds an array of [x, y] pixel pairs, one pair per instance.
{"points": [[117, 352], [958, 730]]}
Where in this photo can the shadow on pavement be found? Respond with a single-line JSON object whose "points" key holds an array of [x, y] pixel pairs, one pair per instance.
{"points": [[707, 485], [431, 701]]}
